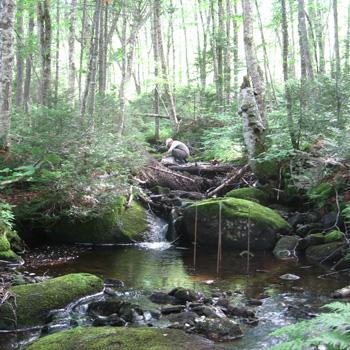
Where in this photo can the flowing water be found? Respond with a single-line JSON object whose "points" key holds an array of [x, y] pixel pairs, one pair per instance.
{"points": [[146, 268]]}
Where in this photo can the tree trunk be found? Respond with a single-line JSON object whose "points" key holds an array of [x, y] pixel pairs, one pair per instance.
{"points": [[285, 74], [156, 76], [253, 68], [29, 62], [57, 50], [320, 39], [71, 46], [227, 56], [253, 127], [44, 23], [19, 59], [347, 46], [306, 67], [165, 78], [101, 53], [88, 98], [266, 56], [235, 52], [7, 19], [337, 62], [82, 48], [185, 41]]}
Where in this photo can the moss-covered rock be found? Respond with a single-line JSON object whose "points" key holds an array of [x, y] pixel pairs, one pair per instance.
{"points": [[286, 247], [113, 224], [102, 338], [9, 243], [325, 253], [333, 236], [250, 194], [33, 302], [239, 218]]}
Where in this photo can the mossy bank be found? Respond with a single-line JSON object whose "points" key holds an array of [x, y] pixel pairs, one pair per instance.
{"points": [[113, 223], [121, 338], [31, 303]]}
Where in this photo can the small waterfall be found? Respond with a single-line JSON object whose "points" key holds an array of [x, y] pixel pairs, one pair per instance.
{"points": [[156, 234]]}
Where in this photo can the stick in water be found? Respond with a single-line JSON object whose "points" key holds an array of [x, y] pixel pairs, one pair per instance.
{"points": [[195, 238]]}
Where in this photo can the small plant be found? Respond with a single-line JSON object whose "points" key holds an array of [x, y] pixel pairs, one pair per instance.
{"points": [[330, 329], [6, 215]]}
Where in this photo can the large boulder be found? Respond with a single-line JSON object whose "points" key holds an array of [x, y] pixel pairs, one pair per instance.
{"points": [[327, 253], [30, 304], [250, 194], [122, 338], [114, 223], [239, 219]]}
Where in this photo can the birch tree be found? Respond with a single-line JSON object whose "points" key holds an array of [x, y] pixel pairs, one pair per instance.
{"points": [[7, 19]]}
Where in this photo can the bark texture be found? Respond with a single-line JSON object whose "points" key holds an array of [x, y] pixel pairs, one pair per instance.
{"points": [[7, 18]]}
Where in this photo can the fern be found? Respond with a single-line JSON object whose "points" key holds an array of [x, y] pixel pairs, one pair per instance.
{"points": [[330, 329]]}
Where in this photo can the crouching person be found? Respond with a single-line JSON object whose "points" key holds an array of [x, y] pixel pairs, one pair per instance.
{"points": [[178, 150]]}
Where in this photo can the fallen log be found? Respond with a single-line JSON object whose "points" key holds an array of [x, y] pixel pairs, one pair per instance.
{"points": [[229, 181], [203, 169]]}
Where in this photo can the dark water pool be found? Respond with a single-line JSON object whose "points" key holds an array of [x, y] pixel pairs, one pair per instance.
{"points": [[145, 270]]}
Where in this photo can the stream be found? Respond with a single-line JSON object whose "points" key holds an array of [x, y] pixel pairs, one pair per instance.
{"points": [[159, 266]]}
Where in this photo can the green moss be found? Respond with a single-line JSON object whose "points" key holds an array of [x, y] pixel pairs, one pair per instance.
{"points": [[334, 235], [34, 301], [120, 338], [241, 208], [4, 243], [251, 194], [114, 224]]}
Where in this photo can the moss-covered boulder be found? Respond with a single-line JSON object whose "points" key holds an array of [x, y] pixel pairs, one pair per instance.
{"points": [[287, 247], [326, 253], [121, 338], [250, 194], [9, 244], [239, 218], [31, 303], [113, 224]]}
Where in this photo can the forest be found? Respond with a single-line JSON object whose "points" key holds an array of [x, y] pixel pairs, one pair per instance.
{"points": [[174, 174]]}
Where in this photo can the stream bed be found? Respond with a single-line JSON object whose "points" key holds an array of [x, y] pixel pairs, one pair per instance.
{"points": [[158, 266]]}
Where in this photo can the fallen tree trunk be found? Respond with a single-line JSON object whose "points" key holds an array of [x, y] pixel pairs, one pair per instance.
{"points": [[229, 181], [203, 169], [156, 174]]}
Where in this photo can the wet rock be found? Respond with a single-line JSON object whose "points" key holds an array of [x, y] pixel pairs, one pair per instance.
{"points": [[112, 320], [286, 247], [183, 318], [33, 302], [254, 302], [109, 282], [341, 293], [219, 329], [130, 312], [297, 289], [211, 312], [183, 295], [166, 310], [231, 310], [104, 307], [329, 219], [304, 230], [328, 252], [312, 239], [162, 298], [222, 302], [265, 225], [109, 291], [289, 277]]}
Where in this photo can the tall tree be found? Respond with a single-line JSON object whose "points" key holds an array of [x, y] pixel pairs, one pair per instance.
{"points": [[88, 98], [7, 19], [337, 61], [57, 59], [71, 46], [235, 50], [29, 62], [347, 46], [253, 68], [285, 74], [305, 58], [19, 56], [45, 34]]}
